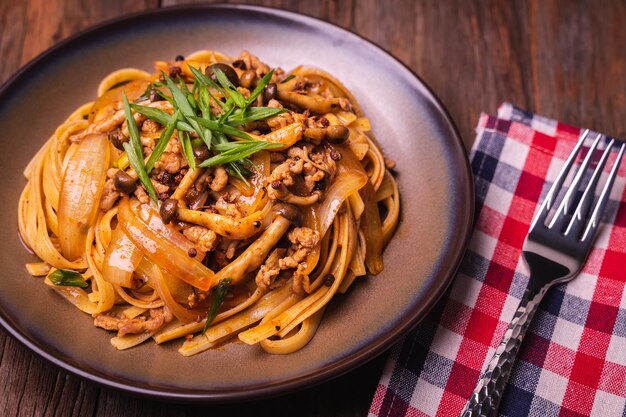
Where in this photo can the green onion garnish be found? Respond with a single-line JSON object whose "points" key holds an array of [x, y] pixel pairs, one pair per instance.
{"points": [[164, 139], [134, 151], [220, 293], [235, 151], [67, 278]]}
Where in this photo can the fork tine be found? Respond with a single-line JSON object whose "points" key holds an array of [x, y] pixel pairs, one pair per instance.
{"points": [[568, 200], [594, 221], [546, 206], [578, 218]]}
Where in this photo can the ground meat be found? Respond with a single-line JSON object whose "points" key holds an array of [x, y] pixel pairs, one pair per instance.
{"points": [[253, 63], [227, 208], [285, 172], [285, 119], [320, 165], [244, 91], [174, 145], [315, 165], [270, 269], [312, 176], [142, 196], [140, 324], [171, 162], [304, 237], [194, 299], [274, 104], [158, 187], [106, 322], [150, 126], [220, 179], [303, 240], [301, 282], [206, 239], [147, 142], [109, 196]]}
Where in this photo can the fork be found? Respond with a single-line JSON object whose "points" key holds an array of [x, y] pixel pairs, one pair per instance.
{"points": [[555, 252]]}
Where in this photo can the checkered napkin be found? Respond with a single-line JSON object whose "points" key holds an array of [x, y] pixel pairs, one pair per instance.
{"points": [[573, 359]]}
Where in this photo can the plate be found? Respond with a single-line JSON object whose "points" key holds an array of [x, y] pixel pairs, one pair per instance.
{"points": [[410, 123]]}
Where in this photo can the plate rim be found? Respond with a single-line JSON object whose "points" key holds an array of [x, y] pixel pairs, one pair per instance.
{"points": [[333, 369]]}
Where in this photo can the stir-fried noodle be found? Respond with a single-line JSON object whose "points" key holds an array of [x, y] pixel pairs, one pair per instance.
{"points": [[214, 198]]}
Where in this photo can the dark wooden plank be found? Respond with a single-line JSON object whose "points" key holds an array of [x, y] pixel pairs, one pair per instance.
{"points": [[13, 374], [579, 62], [72, 397], [29, 27], [339, 12]]}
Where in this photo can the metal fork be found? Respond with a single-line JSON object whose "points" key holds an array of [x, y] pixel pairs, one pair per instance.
{"points": [[554, 252]]}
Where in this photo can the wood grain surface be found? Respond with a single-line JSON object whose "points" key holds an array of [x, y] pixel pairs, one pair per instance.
{"points": [[560, 58]]}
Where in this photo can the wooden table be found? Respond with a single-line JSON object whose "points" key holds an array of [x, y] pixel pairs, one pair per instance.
{"points": [[563, 59]]}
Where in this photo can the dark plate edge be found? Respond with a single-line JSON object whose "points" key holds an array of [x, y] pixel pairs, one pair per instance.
{"points": [[331, 371]]}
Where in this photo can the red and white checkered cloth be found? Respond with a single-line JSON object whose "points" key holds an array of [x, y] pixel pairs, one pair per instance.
{"points": [[573, 359]]}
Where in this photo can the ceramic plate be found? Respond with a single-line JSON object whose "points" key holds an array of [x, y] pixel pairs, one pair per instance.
{"points": [[409, 122]]}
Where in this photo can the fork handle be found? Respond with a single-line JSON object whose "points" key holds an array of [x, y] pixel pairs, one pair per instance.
{"points": [[486, 397]]}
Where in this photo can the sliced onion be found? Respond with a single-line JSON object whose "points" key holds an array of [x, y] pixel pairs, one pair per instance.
{"points": [[253, 196], [350, 179], [83, 183], [179, 289], [181, 313], [120, 260], [161, 251], [151, 217], [372, 230]]}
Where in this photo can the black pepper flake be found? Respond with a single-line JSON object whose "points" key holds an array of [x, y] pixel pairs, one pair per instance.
{"points": [[334, 155], [165, 178], [256, 224], [192, 252], [179, 58], [329, 279], [277, 328]]}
